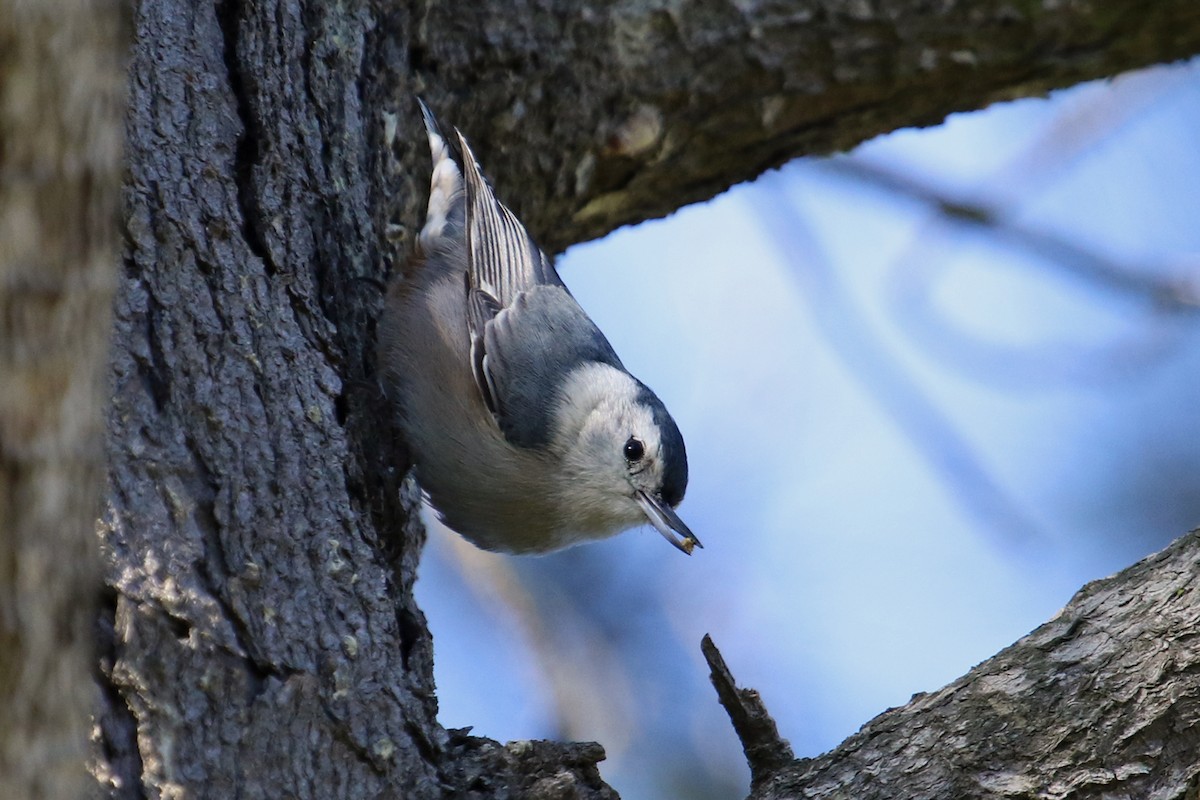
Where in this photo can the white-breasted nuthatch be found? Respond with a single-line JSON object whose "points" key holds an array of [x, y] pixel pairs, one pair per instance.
{"points": [[527, 432]]}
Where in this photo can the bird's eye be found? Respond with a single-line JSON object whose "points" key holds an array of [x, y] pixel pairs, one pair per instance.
{"points": [[634, 449]]}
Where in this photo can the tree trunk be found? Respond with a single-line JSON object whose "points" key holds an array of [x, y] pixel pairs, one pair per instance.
{"points": [[61, 84], [262, 639]]}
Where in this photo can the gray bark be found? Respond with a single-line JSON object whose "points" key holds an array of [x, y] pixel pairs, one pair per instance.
{"points": [[61, 85], [1101, 701], [262, 639]]}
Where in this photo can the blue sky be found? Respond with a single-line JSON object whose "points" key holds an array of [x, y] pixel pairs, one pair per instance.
{"points": [[910, 441]]}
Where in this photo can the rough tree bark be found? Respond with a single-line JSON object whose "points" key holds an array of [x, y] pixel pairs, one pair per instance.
{"points": [[61, 83], [262, 639], [1101, 701]]}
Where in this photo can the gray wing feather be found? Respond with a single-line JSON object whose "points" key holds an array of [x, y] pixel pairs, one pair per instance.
{"points": [[503, 260], [531, 346], [482, 306]]}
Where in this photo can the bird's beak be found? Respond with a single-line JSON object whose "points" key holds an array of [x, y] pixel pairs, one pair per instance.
{"points": [[668, 523]]}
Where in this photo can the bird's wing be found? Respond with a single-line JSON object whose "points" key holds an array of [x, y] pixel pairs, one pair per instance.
{"points": [[502, 258], [527, 332], [526, 351]]}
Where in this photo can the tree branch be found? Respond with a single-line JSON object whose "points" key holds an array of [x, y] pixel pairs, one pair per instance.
{"points": [[766, 751], [1101, 701], [594, 118]]}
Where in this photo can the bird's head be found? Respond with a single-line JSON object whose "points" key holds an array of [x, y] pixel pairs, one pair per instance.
{"points": [[624, 458]]}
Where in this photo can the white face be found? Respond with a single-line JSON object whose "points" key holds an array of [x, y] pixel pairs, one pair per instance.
{"points": [[610, 446]]}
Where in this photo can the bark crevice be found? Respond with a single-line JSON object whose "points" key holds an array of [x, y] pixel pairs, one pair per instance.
{"points": [[246, 150]]}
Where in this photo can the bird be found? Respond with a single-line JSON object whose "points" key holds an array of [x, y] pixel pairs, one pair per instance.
{"points": [[527, 433]]}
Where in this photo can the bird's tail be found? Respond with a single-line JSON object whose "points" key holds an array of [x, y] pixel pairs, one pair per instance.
{"points": [[445, 183], [502, 258]]}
